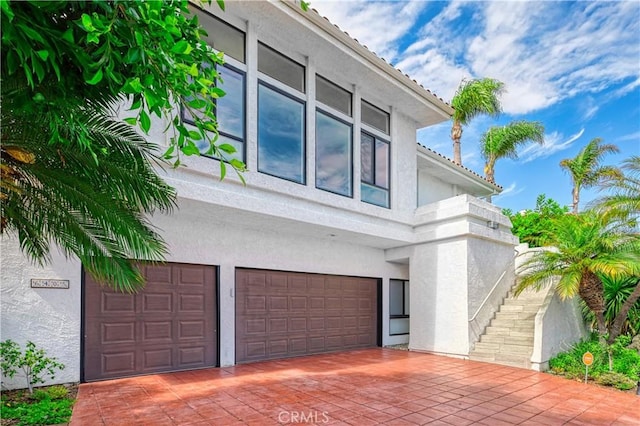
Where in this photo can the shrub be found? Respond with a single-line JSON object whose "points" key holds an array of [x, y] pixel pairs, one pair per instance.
{"points": [[617, 380], [33, 362], [45, 412], [626, 361]]}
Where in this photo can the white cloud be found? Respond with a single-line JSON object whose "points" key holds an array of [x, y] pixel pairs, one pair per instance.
{"points": [[510, 191], [553, 143], [630, 137], [379, 25], [545, 52]]}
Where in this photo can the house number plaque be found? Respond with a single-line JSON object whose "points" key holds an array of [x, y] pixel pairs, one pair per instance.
{"points": [[45, 283]]}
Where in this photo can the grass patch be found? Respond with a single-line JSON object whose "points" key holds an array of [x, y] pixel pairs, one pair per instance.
{"points": [[626, 363], [47, 406]]}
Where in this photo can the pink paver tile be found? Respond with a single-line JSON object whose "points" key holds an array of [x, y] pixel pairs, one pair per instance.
{"points": [[364, 387]]}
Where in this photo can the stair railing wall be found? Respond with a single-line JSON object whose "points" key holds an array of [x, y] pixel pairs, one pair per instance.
{"points": [[492, 301]]}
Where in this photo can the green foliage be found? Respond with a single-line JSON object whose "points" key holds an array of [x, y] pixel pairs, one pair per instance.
{"points": [[584, 247], [51, 392], [44, 412], [477, 97], [33, 362], [502, 142], [616, 291], [616, 380], [586, 169], [529, 226], [624, 201], [152, 53], [626, 361]]}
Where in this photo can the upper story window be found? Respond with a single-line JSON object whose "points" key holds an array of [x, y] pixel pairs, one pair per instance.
{"points": [[281, 116], [374, 163], [374, 156], [333, 96], [278, 66], [222, 36], [334, 139], [230, 108], [375, 117]]}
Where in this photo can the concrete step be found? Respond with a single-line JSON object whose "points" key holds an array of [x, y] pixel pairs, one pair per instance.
{"points": [[510, 315], [512, 324], [487, 347], [512, 308], [513, 358], [496, 338], [509, 348]]}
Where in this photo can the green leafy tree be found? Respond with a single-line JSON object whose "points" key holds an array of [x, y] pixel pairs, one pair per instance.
{"points": [[33, 362], [530, 225], [586, 169], [473, 98], [503, 141], [624, 200], [585, 247], [73, 174]]}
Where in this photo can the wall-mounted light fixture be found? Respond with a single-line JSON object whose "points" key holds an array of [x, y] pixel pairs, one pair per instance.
{"points": [[492, 224]]}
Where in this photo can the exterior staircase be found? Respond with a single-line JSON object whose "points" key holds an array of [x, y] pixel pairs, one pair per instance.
{"points": [[508, 340]]}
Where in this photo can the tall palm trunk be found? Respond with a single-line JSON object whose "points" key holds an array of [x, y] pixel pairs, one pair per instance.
{"points": [[489, 170], [456, 135], [592, 292], [576, 199]]}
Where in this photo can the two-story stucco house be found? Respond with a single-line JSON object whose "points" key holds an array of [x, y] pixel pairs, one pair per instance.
{"points": [[347, 234]]}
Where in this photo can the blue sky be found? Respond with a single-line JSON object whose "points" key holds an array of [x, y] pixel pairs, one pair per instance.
{"points": [[574, 66]]}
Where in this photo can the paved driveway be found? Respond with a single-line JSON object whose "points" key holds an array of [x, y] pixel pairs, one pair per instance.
{"points": [[365, 387]]}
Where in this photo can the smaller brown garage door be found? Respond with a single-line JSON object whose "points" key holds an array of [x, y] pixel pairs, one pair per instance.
{"points": [[287, 314], [170, 325]]}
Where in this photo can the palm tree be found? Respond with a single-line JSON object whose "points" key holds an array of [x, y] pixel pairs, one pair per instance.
{"points": [[74, 176], [616, 292], [502, 142], [586, 169], [586, 246], [473, 97], [624, 203]]}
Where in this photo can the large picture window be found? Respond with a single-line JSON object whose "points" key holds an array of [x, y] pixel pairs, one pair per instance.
{"points": [[374, 159], [334, 165], [281, 141], [398, 307], [230, 112]]}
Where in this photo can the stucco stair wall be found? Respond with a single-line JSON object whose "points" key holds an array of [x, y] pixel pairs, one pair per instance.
{"points": [[509, 338]]}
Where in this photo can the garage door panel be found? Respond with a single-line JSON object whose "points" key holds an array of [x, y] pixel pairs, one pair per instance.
{"points": [[119, 363], [161, 303], [117, 303], [278, 304], [158, 274], [305, 314], [170, 325], [157, 331], [118, 332]]}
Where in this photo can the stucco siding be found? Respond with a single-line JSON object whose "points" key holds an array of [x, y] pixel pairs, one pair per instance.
{"points": [[50, 318]]}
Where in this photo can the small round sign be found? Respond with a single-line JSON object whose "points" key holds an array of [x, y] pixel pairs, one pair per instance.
{"points": [[587, 358]]}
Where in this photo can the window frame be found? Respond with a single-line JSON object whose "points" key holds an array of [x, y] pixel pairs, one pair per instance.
{"points": [[321, 110], [305, 83], [189, 122], [304, 127], [404, 315], [374, 163]]}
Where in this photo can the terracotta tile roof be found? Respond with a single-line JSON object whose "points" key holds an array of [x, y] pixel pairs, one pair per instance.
{"points": [[382, 59], [458, 165]]}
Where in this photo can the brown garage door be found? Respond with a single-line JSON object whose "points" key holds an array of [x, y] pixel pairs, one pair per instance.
{"points": [[286, 314], [169, 325]]}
